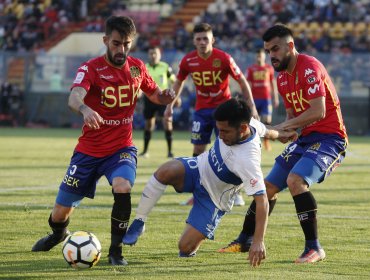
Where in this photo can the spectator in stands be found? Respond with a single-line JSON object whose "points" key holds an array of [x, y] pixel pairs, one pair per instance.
{"points": [[16, 108], [5, 93]]}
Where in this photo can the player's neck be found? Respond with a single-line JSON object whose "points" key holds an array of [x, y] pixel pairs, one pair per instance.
{"points": [[292, 62], [246, 133], [205, 55], [111, 64]]}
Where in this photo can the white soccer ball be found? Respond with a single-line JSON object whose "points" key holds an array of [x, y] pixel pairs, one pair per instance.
{"points": [[81, 249]]}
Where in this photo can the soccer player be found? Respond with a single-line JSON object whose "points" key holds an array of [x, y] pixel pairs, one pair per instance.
{"points": [[214, 177], [312, 105], [105, 92], [260, 77], [210, 69], [163, 75]]}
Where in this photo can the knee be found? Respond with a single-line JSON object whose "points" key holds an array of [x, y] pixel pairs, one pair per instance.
{"points": [[121, 185], [170, 173], [296, 184], [162, 175], [271, 190], [60, 213]]}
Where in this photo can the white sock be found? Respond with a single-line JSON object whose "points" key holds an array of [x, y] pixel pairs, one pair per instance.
{"points": [[151, 194]]}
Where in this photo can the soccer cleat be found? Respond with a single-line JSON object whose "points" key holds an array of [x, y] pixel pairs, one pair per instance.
{"points": [[184, 255], [170, 155], [311, 256], [115, 256], [190, 201], [144, 155], [48, 242], [136, 229], [239, 201], [237, 247]]}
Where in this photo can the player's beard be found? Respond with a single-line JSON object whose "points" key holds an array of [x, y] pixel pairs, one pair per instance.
{"points": [[283, 64], [233, 141], [117, 59]]}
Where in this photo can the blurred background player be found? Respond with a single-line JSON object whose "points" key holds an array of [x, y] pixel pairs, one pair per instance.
{"points": [[210, 69], [312, 105], [260, 77], [163, 75]]}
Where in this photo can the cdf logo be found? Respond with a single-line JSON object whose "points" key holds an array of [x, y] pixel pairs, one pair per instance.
{"points": [[253, 182]]}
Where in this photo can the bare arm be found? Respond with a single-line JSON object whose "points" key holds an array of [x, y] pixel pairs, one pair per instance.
{"points": [[274, 93], [75, 101], [283, 136], [247, 94], [162, 97], [315, 113], [177, 87], [257, 251]]}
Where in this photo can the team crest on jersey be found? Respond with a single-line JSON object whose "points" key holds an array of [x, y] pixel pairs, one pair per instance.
{"points": [[124, 157], [253, 182], [134, 71], [311, 79], [315, 146], [216, 63]]}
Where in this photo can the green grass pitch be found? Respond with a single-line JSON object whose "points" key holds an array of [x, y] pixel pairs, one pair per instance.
{"points": [[33, 162]]}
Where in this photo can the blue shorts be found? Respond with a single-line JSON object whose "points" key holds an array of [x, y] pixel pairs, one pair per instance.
{"points": [[84, 172], [263, 106], [204, 216], [203, 125], [312, 157]]}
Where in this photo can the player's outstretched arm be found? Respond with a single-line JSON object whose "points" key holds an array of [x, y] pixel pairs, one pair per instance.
{"points": [[177, 87], [313, 114], [283, 136], [91, 118], [247, 95], [162, 97], [257, 251]]}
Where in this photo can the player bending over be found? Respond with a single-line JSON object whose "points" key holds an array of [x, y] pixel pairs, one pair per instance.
{"points": [[215, 177]]}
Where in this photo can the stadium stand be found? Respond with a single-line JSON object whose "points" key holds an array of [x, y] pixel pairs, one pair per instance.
{"points": [[338, 32]]}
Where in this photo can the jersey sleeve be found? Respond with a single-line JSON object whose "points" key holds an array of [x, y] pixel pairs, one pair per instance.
{"points": [[271, 73], [183, 71], [260, 127], [234, 69], [148, 85], [249, 170], [84, 77], [312, 81], [248, 74]]}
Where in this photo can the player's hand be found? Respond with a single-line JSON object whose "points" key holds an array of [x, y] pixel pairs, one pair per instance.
{"points": [[255, 114], [287, 135], [168, 113], [166, 96], [257, 253], [91, 118]]}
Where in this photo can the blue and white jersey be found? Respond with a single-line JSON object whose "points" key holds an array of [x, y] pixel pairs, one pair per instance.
{"points": [[224, 170]]}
